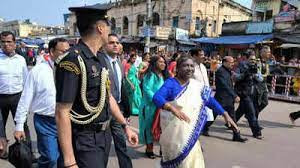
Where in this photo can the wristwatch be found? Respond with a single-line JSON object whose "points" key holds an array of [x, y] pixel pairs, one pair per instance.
{"points": [[124, 125]]}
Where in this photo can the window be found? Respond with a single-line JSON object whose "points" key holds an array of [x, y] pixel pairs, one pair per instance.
{"points": [[140, 21], [198, 24], [214, 26], [269, 14], [155, 19], [259, 16], [125, 26], [113, 25], [175, 21]]}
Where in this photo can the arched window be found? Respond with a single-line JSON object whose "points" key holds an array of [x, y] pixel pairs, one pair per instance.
{"points": [[155, 19], [125, 25], [113, 25], [198, 24], [140, 20]]}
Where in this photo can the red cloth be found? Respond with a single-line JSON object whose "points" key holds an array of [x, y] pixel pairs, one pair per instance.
{"points": [[171, 68], [30, 53], [127, 67], [156, 129], [46, 57]]}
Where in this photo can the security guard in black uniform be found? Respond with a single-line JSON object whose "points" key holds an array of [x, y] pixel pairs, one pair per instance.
{"points": [[84, 102]]}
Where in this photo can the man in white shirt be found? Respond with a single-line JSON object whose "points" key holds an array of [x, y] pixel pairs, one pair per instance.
{"points": [[39, 97], [200, 75], [200, 70], [13, 72]]}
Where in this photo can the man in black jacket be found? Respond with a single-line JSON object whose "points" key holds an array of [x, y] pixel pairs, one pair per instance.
{"points": [[225, 94], [116, 75], [248, 79]]}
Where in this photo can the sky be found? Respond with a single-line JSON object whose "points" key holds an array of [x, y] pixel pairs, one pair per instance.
{"points": [[49, 12]]}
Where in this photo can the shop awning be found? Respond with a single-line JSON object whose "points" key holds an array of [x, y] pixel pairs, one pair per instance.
{"points": [[288, 38], [288, 45], [244, 39], [186, 42]]}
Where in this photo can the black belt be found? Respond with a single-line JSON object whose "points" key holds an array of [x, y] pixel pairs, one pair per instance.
{"points": [[100, 126]]}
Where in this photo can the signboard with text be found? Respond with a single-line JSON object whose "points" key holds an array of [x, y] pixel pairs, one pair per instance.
{"points": [[157, 32], [182, 34], [163, 32], [285, 16], [259, 27], [261, 5]]}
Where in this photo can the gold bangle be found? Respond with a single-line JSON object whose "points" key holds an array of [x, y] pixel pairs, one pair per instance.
{"points": [[167, 106]]}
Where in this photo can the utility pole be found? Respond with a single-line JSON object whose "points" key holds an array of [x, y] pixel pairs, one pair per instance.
{"points": [[148, 26]]}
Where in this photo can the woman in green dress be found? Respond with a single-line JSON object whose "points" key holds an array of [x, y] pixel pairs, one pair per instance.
{"points": [[132, 85], [152, 81]]}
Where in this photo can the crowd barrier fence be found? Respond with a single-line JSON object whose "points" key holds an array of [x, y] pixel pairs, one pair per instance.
{"points": [[281, 87]]}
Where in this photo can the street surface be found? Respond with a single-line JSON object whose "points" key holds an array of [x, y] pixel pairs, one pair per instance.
{"points": [[280, 147]]}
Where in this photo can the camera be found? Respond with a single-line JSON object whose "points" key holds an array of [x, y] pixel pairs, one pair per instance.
{"points": [[253, 69]]}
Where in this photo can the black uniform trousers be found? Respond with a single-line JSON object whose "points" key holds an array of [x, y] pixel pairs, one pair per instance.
{"points": [[9, 103], [119, 138], [248, 107], [91, 148]]}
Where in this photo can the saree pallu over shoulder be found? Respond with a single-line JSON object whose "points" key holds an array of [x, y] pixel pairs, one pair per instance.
{"points": [[179, 139]]}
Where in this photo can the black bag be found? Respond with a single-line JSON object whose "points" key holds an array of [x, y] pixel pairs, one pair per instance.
{"points": [[20, 155]]}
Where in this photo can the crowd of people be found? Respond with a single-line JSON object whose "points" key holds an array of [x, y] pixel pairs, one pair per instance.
{"points": [[82, 97]]}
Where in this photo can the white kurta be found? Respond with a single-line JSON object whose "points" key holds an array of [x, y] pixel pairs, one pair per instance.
{"points": [[200, 75]]}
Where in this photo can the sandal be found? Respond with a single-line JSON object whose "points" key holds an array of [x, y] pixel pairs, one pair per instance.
{"points": [[150, 155]]}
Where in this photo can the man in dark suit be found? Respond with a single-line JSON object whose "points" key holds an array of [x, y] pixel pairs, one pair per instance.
{"points": [[116, 75], [23, 52], [225, 94]]}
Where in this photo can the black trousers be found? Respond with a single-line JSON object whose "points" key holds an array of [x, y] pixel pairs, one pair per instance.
{"points": [[119, 138], [295, 115], [91, 148], [2, 129], [9, 103], [248, 107], [231, 112]]}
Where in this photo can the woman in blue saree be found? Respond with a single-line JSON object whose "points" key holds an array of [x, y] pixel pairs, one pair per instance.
{"points": [[152, 81], [184, 102]]}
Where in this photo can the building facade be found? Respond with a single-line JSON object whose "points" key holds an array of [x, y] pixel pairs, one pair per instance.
{"points": [[266, 9], [20, 29], [199, 17], [29, 29]]}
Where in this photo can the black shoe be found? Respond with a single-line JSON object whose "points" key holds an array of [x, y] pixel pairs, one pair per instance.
{"points": [[150, 155], [237, 138], [205, 133], [261, 128], [260, 137], [292, 119], [34, 159]]}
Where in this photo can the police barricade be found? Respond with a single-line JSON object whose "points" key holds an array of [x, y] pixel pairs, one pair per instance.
{"points": [[281, 87]]}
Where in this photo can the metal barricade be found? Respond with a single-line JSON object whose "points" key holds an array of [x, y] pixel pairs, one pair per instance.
{"points": [[280, 87]]}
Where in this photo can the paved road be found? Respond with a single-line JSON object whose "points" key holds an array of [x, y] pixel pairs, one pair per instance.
{"points": [[279, 149]]}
